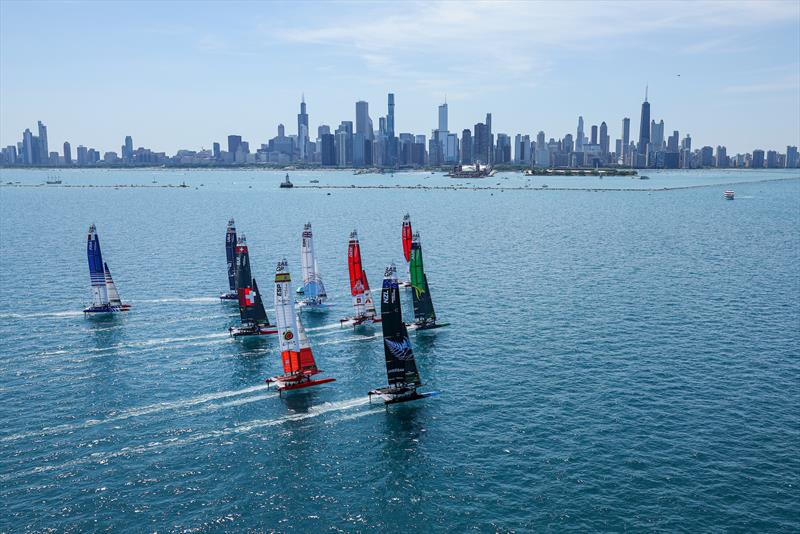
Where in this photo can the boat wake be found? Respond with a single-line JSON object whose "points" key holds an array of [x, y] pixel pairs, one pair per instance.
{"points": [[256, 424], [135, 412], [69, 313]]}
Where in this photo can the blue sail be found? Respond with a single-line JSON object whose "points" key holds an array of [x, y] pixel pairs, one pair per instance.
{"points": [[96, 271]]}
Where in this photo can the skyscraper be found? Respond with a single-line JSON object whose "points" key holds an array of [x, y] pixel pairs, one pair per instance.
{"points": [[43, 153], [27, 148], [758, 159], [644, 129], [791, 157], [443, 117], [604, 138], [390, 117], [302, 128], [466, 147], [580, 136], [594, 135], [363, 121], [67, 153], [127, 149], [216, 151], [626, 139], [234, 141]]}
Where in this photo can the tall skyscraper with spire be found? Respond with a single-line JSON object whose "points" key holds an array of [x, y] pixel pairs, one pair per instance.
{"points": [[302, 128], [644, 127], [579, 136]]}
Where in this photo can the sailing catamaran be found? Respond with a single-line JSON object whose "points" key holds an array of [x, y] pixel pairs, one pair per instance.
{"points": [[401, 368], [251, 307], [105, 297], [314, 295], [424, 314], [298, 360], [359, 286], [406, 244], [230, 255]]}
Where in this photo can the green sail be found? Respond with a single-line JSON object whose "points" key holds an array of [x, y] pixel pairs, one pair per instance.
{"points": [[421, 294]]}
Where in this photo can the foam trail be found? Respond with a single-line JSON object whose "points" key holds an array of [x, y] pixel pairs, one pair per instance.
{"points": [[349, 340], [136, 412], [70, 313], [256, 424], [325, 327], [178, 299], [145, 343]]}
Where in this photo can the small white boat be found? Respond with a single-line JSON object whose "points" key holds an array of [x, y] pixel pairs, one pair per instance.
{"points": [[729, 194]]}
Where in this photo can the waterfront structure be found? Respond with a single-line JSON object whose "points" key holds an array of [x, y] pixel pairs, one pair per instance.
{"points": [[757, 161], [791, 157]]}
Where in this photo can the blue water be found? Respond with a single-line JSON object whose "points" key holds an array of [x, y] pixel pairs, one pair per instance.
{"points": [[615, 360]]}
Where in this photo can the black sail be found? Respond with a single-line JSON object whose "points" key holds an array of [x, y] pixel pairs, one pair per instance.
{"points": [[401, 368], [230, 254], [258, 313]]}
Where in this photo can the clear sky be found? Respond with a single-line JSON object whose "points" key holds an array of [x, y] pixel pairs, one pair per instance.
{"points": [[186, 74]]}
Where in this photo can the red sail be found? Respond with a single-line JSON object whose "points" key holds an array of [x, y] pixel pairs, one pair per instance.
{"points": [[357, 282], [407, 237], [291, 361]]}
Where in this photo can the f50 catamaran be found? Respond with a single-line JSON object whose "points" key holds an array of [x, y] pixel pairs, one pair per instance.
{"points": [[230, 256], [105, 297], [359, 286], [298, 361], [424, 314], [401, 368], [251, 307], [314, 295]]}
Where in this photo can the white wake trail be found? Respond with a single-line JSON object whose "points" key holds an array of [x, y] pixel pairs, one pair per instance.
{"points": [[256, 424], [135, 412]]}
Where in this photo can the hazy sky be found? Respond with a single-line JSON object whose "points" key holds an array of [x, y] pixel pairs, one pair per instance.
{"points": [[185, 74]]}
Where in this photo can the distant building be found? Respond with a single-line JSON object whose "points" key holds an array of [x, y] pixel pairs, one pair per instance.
{"points": [[234, 141], [594, 135], [328, 156], [644, 132], [772, 159], [706, 156], [443, 117], [757, 161], [44, 154], [791, 157], [67, 153], [579, 136], [466, 147], [626, 139], [722, 156], [604, 140]]}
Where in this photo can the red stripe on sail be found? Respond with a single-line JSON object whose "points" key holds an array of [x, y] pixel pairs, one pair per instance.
{"points": [[307, 362]]}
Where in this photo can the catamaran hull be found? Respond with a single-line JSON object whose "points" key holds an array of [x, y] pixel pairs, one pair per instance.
{"points": [[359, 321], [421, 326], [391, 396], [229, 296], [290, 383], [238, 331], [313, 306], [107, 309]]}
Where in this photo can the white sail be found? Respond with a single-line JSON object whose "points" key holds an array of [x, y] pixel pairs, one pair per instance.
{"points": [[111, 287], [313, 288], [285, 315], [369, 305]]}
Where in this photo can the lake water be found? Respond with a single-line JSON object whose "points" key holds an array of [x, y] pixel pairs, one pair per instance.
{"points": [[615, 360]]}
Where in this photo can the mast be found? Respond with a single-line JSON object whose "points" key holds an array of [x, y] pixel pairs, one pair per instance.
{"points": [[401, 369], [421, 294], [313, 288], [407, 237], [113, 294], [296, 354], [230, 253], [96, 272]]}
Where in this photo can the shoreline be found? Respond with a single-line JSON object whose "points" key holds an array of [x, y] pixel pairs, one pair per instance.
{"points": [[425, 188]]}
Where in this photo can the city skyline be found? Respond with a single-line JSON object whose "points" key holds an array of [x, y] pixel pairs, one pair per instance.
{"points": [[121, 71]]}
